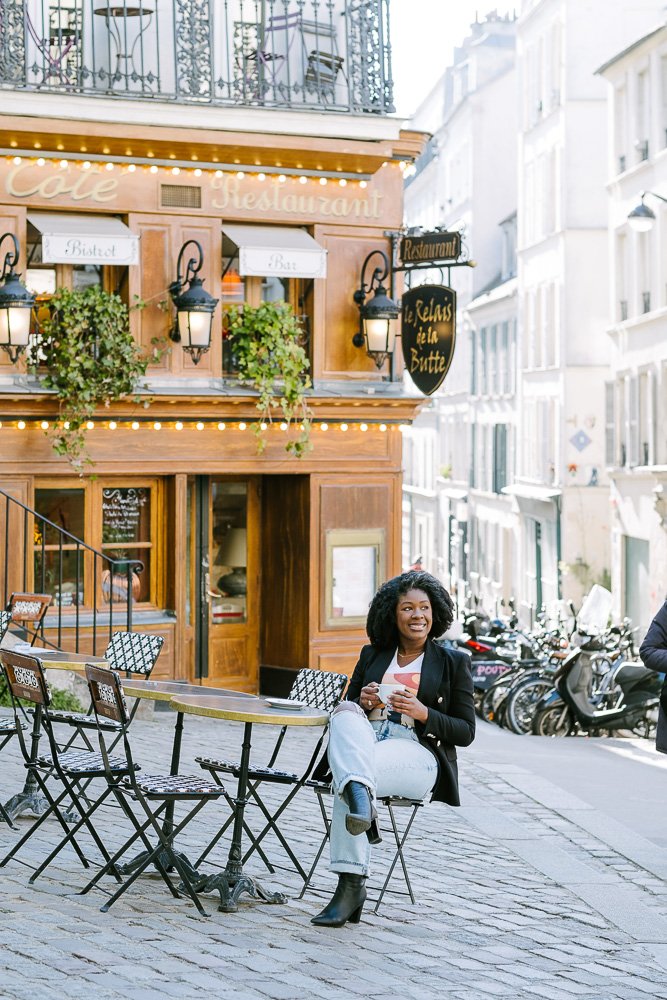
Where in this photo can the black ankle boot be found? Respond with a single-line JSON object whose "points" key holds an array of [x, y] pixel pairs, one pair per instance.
{"points": [[361, 810], [346, 903]]}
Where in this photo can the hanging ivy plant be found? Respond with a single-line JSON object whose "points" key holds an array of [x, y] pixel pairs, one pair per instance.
{"points": [[265, 342], [91, 360]]}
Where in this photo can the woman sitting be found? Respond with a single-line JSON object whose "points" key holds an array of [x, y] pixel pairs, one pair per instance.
{"points": [[404, 746]]}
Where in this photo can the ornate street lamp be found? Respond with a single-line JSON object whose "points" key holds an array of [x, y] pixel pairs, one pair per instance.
{"points": [[194, 305], [642, 217], [378, 315], [16, 304]]}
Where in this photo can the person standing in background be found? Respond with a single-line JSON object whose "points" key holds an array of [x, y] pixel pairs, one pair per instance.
{"points": [[653, 652]]}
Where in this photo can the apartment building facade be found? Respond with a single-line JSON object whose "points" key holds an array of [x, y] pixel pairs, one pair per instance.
{"points": [[636, 408]]}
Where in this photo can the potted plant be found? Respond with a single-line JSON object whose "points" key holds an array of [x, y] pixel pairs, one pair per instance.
{"points": [[265, 342], [87, 355]]}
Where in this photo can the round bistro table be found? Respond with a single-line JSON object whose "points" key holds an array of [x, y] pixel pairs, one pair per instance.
{"points": [[157, 690], [233, 881]]}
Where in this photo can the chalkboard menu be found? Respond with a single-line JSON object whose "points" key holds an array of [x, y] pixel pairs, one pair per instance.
{"points": [[122, 511]]}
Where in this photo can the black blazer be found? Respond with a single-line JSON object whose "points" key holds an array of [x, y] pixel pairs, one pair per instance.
{"points": [[653, 652], [446, 690]]}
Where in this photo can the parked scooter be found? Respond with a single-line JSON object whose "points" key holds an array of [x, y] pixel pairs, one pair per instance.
{"points": [[629, 701], [489, 662]]}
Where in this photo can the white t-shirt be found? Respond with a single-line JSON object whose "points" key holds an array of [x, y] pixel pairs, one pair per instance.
{"points": [[407, 677]]}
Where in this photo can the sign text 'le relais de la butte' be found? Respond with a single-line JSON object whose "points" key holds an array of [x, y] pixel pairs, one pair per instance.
{"points": [[428, 334], [428, 330]]}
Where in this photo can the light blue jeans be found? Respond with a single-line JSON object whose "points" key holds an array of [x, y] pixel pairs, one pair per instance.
{"points": [[387, 758]]}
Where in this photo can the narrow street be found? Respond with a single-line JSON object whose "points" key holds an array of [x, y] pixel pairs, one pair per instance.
{"points": [[548, 882]]}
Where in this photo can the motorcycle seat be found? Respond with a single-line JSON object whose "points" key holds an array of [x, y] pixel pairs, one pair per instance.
{"points": [[630, 671]]}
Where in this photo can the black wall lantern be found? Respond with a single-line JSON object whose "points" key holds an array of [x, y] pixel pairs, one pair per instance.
{"points": [[194, 305], [16, 304], [378, 314], [642, 217]]}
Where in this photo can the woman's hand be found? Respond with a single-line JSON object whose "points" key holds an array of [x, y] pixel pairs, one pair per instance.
{"points": [[407, 703], [369, 697]]}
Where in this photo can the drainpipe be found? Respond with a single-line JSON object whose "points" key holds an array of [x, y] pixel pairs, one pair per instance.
{"points": [[559, 549]]}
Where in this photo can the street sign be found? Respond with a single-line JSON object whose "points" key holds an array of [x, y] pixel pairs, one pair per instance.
{"points": [[430, 247], [428, 334]]}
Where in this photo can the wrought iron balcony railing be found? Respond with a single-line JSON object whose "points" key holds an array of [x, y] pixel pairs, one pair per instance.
{"points": [[322, 55]]}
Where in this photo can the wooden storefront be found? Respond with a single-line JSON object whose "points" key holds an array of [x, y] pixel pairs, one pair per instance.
{"points": [[239, 549]]}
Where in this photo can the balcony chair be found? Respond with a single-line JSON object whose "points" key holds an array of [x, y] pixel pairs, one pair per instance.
{"points": [[400, 836], [61, 42], [26, 680], [319, 689], [264, 58], [321, 75], [152, 792]]}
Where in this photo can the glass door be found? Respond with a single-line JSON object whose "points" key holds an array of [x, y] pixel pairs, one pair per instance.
{"points": [[228, 605]]}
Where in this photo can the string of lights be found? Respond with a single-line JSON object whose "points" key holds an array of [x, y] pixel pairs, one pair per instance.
{"points": [[63, 160], [7, 422]]}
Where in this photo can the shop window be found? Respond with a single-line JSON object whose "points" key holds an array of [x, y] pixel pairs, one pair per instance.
{"points": [[238, 290], [118, 518], [126, 535], [44, 278], [62, 576], [229, 553]]}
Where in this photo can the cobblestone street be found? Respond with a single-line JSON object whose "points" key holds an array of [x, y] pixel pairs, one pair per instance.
{"points": [[526, 891]]}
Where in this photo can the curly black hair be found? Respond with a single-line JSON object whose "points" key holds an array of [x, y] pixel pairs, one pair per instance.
{"points": [[381, 622]]}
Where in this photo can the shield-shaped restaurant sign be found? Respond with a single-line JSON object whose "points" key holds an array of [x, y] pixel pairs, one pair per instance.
{"points": [[428, 334]]}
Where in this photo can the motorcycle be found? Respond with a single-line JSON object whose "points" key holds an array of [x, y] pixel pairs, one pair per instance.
{"points": [[627, 699]]}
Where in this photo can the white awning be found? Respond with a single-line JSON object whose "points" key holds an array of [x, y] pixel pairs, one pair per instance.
{"points": [[277, 250], [68, 238], [527, 492]]}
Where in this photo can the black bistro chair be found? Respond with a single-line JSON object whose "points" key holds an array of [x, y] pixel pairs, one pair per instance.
{"points": [[8, 727], [28, 608], [132, 653], [320, 689], [26, 681], [153, 793], [400, 836]]}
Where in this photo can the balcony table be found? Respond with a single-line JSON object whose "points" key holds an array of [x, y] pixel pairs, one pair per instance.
{"points": [[113, 13], [233, 880]]}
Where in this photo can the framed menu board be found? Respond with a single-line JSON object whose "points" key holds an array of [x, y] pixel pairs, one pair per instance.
{"points": [[355, 567]]}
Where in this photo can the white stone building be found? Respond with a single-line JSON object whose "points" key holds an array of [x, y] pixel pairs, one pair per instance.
{"points": [[522, 509], [636, 449], [491, 321], [561, 490], [466, 180]]}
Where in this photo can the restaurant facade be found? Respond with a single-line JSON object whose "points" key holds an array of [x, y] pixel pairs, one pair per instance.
{"points": [[251, 563]]}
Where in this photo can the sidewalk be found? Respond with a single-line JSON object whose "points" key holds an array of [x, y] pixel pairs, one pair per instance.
{"points": [[525, 891]]}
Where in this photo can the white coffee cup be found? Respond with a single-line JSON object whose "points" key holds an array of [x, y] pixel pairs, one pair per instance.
{"points": [[386, 691]]}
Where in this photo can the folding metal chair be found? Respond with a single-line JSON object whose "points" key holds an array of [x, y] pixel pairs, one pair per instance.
{"points": [[134, 653], [320, 689], [5, 619], [153, 793], [322, 73], [26, 607], [391, 802], [8, 727], [26, 680]]}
